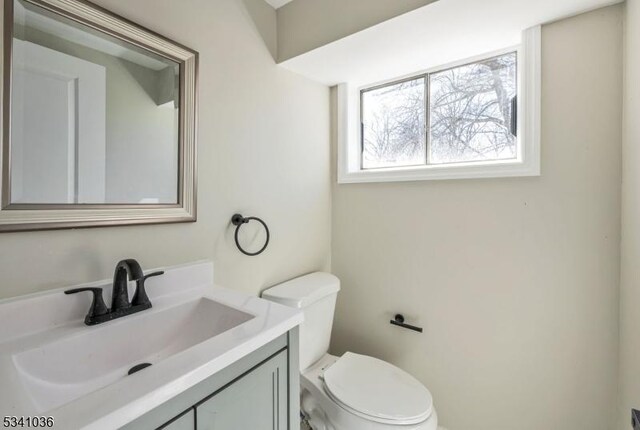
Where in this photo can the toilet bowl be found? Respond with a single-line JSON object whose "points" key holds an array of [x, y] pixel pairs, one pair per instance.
{"points": [[351, 392]]}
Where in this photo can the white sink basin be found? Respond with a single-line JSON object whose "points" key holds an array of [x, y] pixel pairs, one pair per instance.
{"points": [[62, 371], [51, 364]]}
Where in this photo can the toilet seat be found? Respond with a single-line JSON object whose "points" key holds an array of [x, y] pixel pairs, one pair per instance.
{"points": [[377, 391]]}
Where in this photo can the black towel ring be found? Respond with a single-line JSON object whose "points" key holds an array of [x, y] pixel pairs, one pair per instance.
{"points": [[238, 220]]}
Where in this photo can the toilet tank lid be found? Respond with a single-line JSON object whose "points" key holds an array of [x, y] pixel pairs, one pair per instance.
{"points": [[303, 291]]}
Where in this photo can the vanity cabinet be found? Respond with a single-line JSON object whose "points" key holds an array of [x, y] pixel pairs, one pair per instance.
{"points": [[258, 392]]}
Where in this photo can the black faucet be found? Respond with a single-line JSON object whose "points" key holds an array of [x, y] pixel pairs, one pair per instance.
{"points": [[126, 270]]}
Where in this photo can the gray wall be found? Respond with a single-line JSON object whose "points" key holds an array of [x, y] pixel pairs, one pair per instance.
{"points": [[304, 25], [514, 280], [630, 268], [259, 127]]}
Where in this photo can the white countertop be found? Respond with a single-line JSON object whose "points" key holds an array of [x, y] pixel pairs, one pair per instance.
{"points": [[32, 321]]}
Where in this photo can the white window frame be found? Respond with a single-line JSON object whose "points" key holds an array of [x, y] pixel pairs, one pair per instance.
{"points": [[527, 162]]}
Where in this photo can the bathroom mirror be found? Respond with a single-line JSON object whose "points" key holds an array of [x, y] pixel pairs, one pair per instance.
{"points": [[99, 117]]}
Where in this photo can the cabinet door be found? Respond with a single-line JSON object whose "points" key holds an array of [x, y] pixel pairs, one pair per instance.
{"points": [[256, 401], [185, 422]]}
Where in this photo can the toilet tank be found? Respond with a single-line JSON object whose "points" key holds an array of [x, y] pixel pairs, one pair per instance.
{"points": [[315, 294]]}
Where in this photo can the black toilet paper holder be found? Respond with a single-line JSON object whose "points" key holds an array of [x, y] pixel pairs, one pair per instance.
{"points": [[399, 321]]}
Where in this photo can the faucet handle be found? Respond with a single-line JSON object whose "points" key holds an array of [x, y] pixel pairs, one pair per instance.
{"points": [[140, 296], [98, 307]]}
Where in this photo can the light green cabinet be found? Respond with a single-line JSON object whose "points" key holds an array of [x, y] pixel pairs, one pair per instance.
{"points": [[258, 392], [183, 422], [257, 401]]}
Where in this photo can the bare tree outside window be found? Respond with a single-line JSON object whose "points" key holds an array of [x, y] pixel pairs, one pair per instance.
{"points": [[471, 116], [470, 112], [394, 125]]}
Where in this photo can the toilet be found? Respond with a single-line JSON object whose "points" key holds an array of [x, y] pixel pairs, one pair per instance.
{"points": [[352, 392]]}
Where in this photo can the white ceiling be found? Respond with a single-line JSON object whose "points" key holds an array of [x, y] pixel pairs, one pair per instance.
{"points": [[278, 3], [439, 33]]}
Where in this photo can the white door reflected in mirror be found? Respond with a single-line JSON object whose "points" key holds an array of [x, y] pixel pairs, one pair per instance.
{"points": [[58, 155]]}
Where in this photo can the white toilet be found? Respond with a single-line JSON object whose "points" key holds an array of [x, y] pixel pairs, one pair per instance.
{"points": [[352, 392]]}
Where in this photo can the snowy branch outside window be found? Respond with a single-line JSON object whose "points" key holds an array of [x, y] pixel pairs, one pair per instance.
{"points": [[471, 116]]}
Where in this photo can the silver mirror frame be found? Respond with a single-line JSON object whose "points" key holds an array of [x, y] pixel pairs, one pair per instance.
{"points": [[51, 216]]}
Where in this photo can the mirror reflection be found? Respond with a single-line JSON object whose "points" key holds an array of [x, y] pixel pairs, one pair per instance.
{"points": [[94, 119]]}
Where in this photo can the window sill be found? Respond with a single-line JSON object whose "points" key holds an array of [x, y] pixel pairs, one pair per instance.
{"points": [[442, 172]]}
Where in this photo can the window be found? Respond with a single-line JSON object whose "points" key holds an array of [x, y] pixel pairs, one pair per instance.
{"points": [[476, 118], [472, 116], [473, 112], [394, 124]]}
